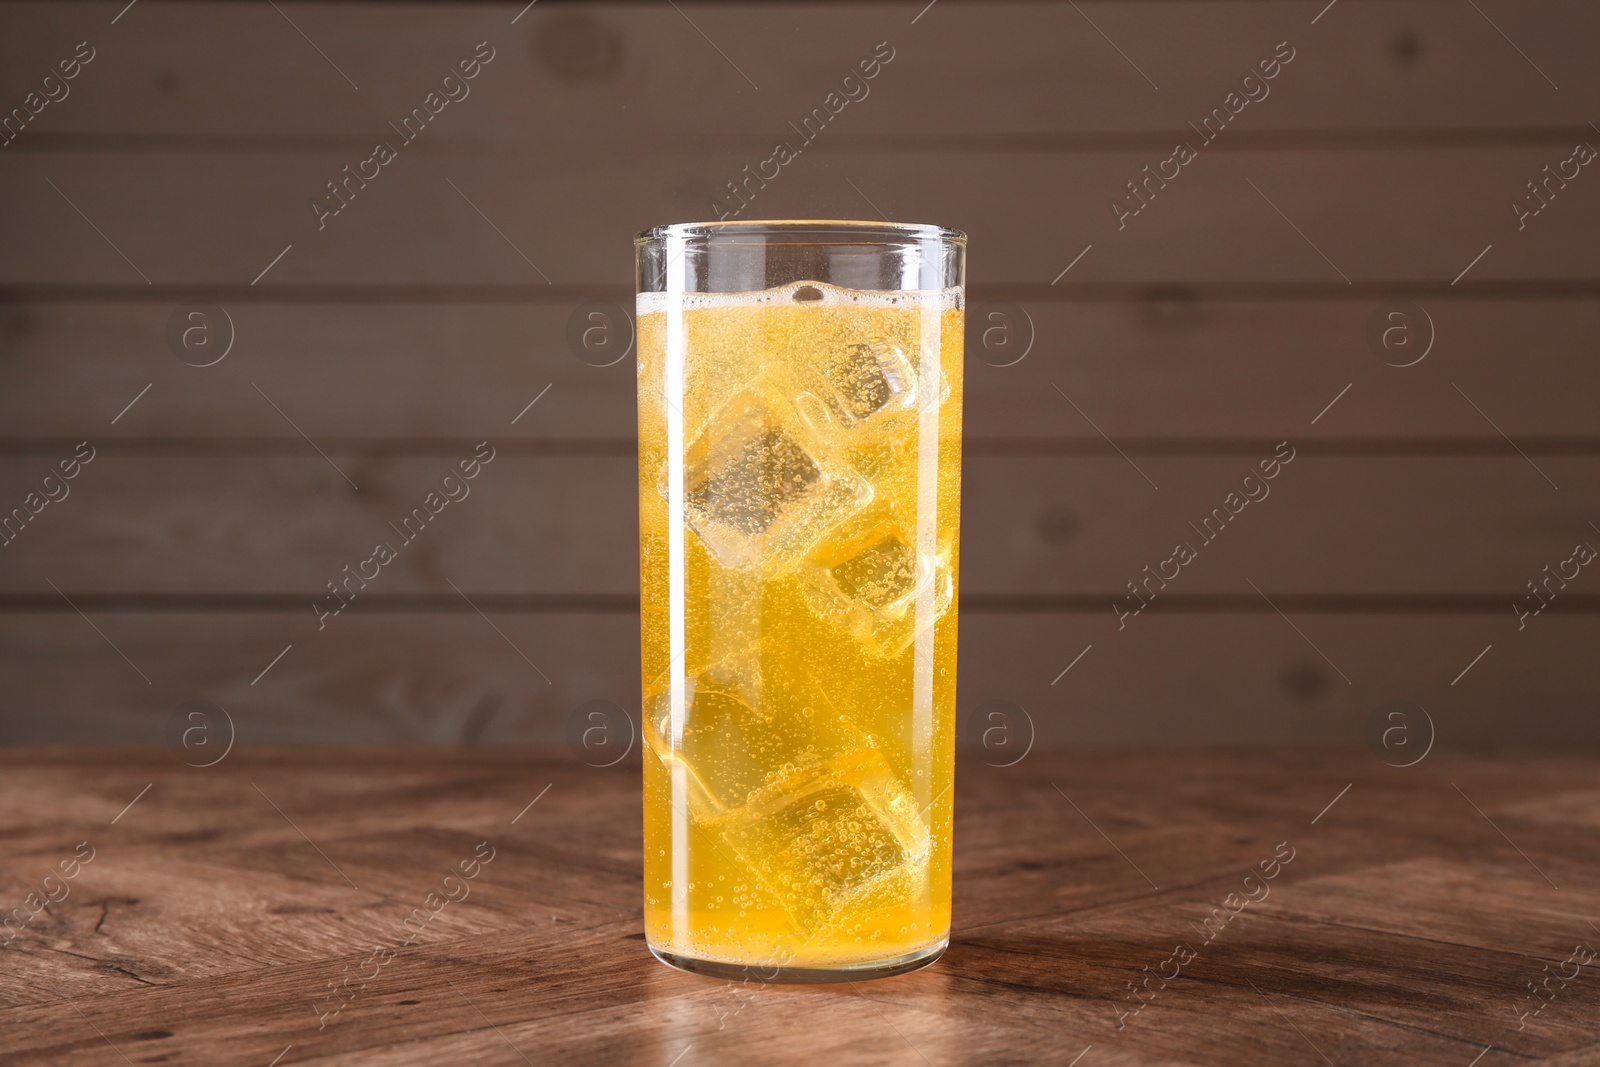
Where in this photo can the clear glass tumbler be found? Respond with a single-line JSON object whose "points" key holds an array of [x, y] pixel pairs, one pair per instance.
{"points": [[799, 504]]}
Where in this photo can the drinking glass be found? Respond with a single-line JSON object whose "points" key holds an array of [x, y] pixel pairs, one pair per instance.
{"points": [[799, 504]]}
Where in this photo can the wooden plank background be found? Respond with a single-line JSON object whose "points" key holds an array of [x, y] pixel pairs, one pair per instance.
{"points": [[426, 315]]}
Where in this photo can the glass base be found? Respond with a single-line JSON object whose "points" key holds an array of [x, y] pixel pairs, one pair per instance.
{"points": [[848, 972]]}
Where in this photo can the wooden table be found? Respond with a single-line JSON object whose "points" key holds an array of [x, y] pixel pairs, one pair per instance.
{"points": [[222, 909]]}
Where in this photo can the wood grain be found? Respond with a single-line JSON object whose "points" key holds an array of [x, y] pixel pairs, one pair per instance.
{"points": [[1170, 365], [1226, 317], [1074, 525], [1231, 674], [637, 72], [1378, 215], [1403, 930]]}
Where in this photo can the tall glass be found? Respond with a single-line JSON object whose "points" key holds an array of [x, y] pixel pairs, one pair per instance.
{"points": [[799, 505]]}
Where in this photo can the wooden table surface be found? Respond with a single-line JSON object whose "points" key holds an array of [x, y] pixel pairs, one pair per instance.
{"points": [[230, 914]]}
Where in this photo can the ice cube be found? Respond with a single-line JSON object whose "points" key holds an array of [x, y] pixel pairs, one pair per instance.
{"points": [[878, 588], [815, 817], [730, 747], [867, 377], [819, 837], [757, 490], [844, 385], [881, 576], [892, 899]]}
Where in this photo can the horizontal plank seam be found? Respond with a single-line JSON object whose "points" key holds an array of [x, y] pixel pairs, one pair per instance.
{"points": [[1178, 447], [1067, 292], [1014, 142], [628, 603]]}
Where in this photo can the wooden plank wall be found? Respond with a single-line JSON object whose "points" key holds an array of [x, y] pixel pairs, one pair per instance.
{"points": [[371, 353]]}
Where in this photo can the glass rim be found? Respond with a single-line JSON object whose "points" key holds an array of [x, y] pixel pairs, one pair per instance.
{"points": [[870, 232]]}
